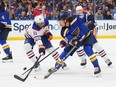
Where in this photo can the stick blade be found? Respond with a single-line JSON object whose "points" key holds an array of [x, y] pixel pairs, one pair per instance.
{"points": [[19, 78]]}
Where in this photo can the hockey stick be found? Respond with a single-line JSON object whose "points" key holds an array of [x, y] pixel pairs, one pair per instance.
{"points": [[42, 59], [46, 76], [74, 47], [23, 79], [30, 69]]}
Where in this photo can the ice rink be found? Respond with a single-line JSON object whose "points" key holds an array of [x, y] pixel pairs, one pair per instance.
{"points": [[76, 76]]}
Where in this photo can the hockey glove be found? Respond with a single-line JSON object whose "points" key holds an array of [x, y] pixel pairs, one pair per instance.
{"points": [[42, 50], [63, 43], [49, 35]]}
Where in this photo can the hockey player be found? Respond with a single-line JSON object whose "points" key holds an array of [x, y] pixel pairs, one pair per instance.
{"points": [[5, 28], [38, 34], [88, 19], [80, 51], [73, 31]]}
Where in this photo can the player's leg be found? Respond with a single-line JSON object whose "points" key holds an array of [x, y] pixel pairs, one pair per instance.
{"points": [[50, 48], [28, 47], [62, 58], [5, 46], [81, 53], [93, 59], [102, 53], [59, 62]]}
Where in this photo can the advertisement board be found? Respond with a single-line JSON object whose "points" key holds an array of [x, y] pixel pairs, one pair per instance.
{"points": [[106, 28], [18, 27]]}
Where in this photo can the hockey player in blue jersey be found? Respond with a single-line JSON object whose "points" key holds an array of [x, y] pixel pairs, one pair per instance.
{"points": [[38, 33], [73, 30], [80, 51], [5, 28], [88, 19]]}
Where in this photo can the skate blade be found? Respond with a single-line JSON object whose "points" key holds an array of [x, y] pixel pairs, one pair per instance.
{"points": [[111, 66], [65, 68], [84, 66], [7, 61]]}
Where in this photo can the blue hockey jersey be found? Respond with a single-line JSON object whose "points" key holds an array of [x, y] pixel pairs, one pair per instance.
{"points": [[4, 18], [88, 19], [75, 23]]}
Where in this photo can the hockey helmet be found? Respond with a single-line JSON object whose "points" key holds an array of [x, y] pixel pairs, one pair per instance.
{"points": [[63, 15], [79, 8], [39, 19]]}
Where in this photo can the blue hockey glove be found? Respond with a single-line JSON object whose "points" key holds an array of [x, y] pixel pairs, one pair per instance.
{"points": [[49, 35], [42, 50], [63, 43]]}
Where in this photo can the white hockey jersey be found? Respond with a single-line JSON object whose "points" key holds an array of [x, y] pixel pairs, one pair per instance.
{"points": [[35, 32]]}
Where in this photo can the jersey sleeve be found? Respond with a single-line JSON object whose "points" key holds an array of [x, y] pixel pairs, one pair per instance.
{"points": [[46, 21], [27, 32]]}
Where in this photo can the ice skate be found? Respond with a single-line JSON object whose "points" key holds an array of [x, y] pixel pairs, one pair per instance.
{"points": [[83, 63], [8, 58], [65, 67], [108, 62], [97, 71], [50, 72]]}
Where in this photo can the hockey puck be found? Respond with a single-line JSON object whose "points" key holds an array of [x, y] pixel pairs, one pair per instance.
{"points": [[35, 77], [24, 68]]}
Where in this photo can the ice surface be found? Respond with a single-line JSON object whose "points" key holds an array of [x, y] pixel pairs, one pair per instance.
{"points": [[76, 76]]}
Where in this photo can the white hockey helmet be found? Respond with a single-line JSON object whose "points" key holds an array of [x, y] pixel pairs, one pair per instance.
{"points": [[79, 8], [39, 19]]}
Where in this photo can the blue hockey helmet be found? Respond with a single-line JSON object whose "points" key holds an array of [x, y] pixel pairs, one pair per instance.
{"points": [[63, 15]]}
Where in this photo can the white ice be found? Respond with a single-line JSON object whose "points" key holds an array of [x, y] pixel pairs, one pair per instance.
{"points": [[76, 76]]}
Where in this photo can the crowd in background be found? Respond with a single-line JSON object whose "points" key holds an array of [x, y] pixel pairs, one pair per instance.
{"points": [[27, 9]]}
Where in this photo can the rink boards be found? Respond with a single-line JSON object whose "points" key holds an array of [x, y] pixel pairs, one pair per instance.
{"points": [[106, 29]]}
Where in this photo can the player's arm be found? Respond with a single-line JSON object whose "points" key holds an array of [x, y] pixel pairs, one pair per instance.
{"points": [[92, 25], [90, 22], [48, 34], [41, 47], [27, 33], [38, 41]]}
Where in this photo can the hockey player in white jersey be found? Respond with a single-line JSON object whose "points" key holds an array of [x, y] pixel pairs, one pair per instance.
{"points": [[38, 33]]}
